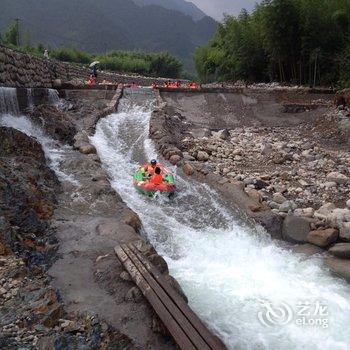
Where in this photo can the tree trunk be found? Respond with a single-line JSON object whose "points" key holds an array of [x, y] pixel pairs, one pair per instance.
{"points": [[315, 71]]}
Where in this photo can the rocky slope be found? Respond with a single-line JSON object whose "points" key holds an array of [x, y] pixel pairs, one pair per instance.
{"points": [[299, 173], [61, 284], [32, 314]]}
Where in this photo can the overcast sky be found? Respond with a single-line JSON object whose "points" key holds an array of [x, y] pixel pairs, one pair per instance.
{"points": [[216, 8]]}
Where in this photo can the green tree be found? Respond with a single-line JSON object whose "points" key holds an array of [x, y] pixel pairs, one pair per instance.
{"points": [[11, 35], [291, 41], [166, 65]]}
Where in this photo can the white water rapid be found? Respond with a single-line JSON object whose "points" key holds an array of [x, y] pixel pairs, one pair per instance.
{"points": [[8, 100], [227, 270], [54, 151], [10, 117], [53, 97]]}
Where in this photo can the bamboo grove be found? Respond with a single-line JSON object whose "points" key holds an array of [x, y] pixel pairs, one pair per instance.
{"points": [[304, 42]]}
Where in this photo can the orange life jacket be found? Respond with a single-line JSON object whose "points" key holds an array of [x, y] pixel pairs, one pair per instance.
{"points": [[149, 168], [157, 179]]}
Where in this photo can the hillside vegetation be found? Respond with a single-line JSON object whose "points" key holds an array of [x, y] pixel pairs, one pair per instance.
{"points": [[149, 64], [104, 25], [183, 6], [290, 41]]}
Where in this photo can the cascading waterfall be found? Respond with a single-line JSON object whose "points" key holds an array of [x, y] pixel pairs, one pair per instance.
{"points": [[8, 101], [54, 150], [30, 99], [53, 97], [247, 289]]}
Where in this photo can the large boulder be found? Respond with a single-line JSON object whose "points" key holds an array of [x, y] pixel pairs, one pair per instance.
{"points": [[338, 216], [308, 249], [341, 250], [87, 148], [55, 123], [338, 178], [159, 263], [132, 219], [287, 207], [188, 169], [323, 238], [324, 211], [279, 198], [174, 159], [202, 156], [344, 234], [14, 143], [253, 194], [305, 212], [272, 223], [295, 229], [339, 267], [223, 134]]}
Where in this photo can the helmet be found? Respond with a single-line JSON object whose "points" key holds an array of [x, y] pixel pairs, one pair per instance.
{"points": [[153, 162]]}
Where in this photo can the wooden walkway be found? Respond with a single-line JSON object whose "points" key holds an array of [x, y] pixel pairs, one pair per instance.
{"points": [[183, 324]]}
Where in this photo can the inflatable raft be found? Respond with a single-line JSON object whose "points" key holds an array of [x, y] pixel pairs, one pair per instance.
{"points": [[146, 188]]}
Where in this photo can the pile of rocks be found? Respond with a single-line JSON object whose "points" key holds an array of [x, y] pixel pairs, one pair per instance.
{"points": [[300, 174], [302, 180], [32, 316], [334, 126]]}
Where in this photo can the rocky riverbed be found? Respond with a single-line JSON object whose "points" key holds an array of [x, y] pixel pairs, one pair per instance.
{"points": [[300, 173], [32, 314], [61, 284]]}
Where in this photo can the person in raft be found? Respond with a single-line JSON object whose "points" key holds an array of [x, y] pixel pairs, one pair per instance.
{"points": [[94, 71], [157, 178], [149, 168]]}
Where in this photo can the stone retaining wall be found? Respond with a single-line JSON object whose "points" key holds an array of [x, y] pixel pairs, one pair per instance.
{"points": [[23, 70]]}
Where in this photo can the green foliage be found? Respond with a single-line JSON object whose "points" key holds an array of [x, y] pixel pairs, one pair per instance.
{"points": [[291, 41], [344, 67], [153, 64], [11, 35], [165, 65], [94, 25], [71, 55]]}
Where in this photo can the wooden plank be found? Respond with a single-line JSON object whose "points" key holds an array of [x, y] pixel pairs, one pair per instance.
{"points": [[181, 319], [175, 330], [213, 341]]}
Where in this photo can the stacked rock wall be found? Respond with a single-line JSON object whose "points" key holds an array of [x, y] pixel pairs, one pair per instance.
{"points": [[23, 70]]}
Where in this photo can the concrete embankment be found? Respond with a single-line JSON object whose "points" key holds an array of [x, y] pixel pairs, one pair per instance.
{"points": [[270, 154]]}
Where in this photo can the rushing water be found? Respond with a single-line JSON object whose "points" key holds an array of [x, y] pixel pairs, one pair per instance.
{"points": [[8, 100], [54, 151], [226, 269], [10, 117], [53, 97], [30, 100]]}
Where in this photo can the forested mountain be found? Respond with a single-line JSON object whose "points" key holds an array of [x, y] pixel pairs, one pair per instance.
{"points": [[97, 26], [186, 7], [291, 41]]}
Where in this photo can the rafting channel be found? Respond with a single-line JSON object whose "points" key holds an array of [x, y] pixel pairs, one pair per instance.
{"points": [[243, 285]]}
